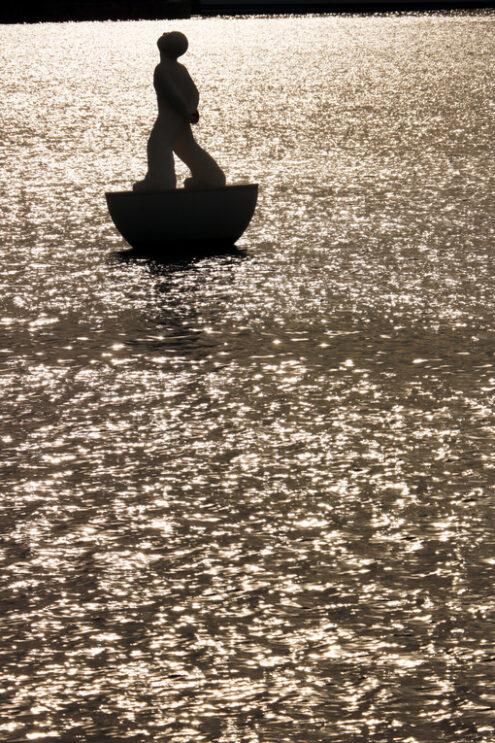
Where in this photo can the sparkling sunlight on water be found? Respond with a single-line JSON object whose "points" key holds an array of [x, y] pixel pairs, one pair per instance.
{"points": [[249, 499]]}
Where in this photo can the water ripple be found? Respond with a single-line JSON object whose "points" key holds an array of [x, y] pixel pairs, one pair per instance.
{"points": [[249, 498]]}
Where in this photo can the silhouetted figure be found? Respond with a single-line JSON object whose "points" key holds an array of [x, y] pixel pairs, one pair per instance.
{"points": [[178, 100]]}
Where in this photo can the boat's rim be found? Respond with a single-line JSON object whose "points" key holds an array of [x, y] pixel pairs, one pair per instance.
{"points": [[236, 186]]}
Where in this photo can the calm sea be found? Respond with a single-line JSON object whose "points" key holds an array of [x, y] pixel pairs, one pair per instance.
{"points": [[249, 499]]}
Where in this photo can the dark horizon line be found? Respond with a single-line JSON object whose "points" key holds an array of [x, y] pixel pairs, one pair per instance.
{"points": [[93, 10]]}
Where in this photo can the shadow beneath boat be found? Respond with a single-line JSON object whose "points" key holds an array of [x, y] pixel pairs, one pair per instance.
{"points": [[181, 254]]}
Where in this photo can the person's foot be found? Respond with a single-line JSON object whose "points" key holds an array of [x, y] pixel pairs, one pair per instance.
{"points": [[193, 183], [139, 186]]}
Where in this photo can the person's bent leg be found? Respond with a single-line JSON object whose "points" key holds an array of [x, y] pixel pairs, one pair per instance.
{"points": [[205, 172]]}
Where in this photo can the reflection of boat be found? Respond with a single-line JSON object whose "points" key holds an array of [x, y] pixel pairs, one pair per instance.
{"points": [[168, 222]]}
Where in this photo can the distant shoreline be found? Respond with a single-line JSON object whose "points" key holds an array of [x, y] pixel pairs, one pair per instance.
{"points": [[123, 10]]}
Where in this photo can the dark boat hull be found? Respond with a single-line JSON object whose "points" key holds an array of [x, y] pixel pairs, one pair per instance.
{"points": [[171, 222]]}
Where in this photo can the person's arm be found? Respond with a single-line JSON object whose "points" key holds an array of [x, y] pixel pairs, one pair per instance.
{"points": [[165, 87]]}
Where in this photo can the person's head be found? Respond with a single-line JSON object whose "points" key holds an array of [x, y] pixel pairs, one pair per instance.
{"points": [[172, 45]]}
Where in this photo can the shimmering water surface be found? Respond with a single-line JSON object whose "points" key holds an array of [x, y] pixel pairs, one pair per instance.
{"points": [[249, 499]]}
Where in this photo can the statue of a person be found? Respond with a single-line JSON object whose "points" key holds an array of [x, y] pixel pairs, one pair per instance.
{"points": [[178, 100]]}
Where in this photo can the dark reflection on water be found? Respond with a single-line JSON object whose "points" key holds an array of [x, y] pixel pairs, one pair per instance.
{"points": [[250, 497], [180, 258]]}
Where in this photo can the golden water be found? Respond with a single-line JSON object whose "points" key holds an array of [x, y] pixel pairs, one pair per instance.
{"points": [[250, 498]]}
